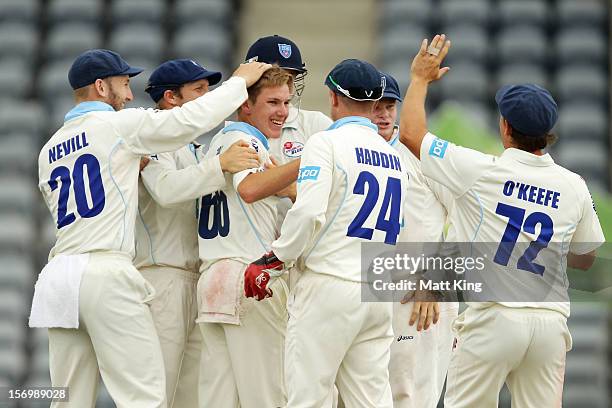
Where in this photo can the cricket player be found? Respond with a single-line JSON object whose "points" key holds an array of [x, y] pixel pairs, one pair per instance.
{"points": [[237, 224], [535, 212], [166, 229], [350, 191], [301, 123], [420, 353], [90, 296]]}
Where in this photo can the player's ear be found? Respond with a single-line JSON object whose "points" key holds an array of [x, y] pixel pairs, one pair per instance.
{"points": [[170, 97], [505, 127], [101, 87], [333, 98], [246, 107]]}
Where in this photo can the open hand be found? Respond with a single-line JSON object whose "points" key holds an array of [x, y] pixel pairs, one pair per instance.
{"points": [[426, 64], [425, 310], [251, 71]]}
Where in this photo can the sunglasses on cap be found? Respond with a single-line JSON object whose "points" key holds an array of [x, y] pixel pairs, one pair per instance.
{"points": [[360, 94]]}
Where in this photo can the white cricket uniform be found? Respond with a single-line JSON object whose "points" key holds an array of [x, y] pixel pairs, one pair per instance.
{"points": [[240, 362], [167, 256], [419, 360], [515, 198], [300, 125], [88, 175], [331, 334]]}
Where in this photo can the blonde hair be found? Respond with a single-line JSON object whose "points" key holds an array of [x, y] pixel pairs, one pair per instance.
{"points": [[273, 77]]}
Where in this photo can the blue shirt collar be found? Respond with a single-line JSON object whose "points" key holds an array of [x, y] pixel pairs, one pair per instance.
{"points": [[86, 107], [249, 130], [395, 136], [353, 120]]}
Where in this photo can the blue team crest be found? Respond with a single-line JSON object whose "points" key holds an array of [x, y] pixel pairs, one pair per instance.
{"points": [[285, 50]]}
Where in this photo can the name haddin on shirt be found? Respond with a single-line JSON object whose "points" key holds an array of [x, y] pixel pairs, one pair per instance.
{"points": [[350, 190]]}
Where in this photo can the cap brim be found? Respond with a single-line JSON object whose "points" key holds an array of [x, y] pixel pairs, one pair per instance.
{"points": [[132, 71], [392, 96], [301, 71], [214, 77]]}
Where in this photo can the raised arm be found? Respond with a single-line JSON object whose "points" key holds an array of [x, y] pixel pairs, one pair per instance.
{"points": [[425, 69]]}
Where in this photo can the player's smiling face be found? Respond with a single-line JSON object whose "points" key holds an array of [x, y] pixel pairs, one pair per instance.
{"points": [[385, 114], [270, 110]]}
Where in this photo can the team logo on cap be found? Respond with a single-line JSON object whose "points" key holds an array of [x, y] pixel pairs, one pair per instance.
{"points": [[285, 50], [293, 149]]}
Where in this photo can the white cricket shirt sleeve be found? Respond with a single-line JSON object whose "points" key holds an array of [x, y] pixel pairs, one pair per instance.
{"points": [[153, 131], [307, 216], [588, 235], [256, 144], [170, 186], [423, 217], [453, 166]]}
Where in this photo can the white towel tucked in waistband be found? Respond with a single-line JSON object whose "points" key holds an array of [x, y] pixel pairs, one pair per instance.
{"points": [[220, 290], [56, 294]]}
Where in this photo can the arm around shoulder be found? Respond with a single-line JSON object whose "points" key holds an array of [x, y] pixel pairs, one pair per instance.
{"points": [[262, 184], [152, 131], [170, 186]]}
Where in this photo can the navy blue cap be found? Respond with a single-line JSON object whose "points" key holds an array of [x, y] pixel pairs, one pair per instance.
{"points": [[356, 79], [392, 88], [275, 49], [174, 73], [98, 64], [528, 108]]}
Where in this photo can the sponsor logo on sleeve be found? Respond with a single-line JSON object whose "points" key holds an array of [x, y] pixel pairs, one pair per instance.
{"points": [[309, 173], [438, 148], [293, 149]]}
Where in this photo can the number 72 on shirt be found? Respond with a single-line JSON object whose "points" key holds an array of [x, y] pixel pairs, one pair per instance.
{"points": [[517, 222]]}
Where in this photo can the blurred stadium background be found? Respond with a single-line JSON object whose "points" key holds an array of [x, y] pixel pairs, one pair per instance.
{"points": [[561, 44]]}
